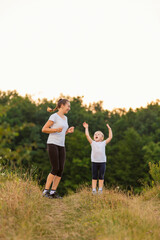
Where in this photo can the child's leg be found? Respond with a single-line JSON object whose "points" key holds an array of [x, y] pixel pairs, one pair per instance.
{"points": [[101, 175], [94, 176], [94, 184], [101, 181]]}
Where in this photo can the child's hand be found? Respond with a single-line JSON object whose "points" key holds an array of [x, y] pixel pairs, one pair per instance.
{"points": [[85, 125], [107, 125]]}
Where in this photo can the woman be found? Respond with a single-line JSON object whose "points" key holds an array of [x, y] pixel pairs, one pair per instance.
{"points": [[57, 128]]}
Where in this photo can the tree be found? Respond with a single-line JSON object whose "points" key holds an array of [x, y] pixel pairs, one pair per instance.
{"points": [[135, 140]]}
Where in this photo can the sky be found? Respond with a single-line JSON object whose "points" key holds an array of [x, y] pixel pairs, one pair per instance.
{"points": [[102, 50]]}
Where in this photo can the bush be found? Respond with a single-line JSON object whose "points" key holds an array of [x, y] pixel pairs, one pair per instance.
{"points": [[154, 170]]}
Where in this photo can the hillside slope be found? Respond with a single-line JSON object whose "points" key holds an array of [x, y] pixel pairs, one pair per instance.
{"points": [[26, 215]]}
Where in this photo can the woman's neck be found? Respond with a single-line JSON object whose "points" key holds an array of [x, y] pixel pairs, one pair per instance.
{"points": [[60, 113]]}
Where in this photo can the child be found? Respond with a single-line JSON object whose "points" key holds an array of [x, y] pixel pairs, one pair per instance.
{"points": [[98, 156]]}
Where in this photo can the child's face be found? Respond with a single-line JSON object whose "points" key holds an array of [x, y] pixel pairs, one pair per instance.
{"points": [[98, 136]]}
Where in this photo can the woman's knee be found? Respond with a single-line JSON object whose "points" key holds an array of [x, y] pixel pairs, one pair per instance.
{"points": [[57, 172], [54, 171], [60, 173]]}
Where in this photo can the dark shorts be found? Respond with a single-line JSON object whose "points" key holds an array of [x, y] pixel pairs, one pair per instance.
{"points": [[98, 170], [57, 156]]}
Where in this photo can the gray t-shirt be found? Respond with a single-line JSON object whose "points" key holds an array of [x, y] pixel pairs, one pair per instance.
{"points": [[98, 151], [58, 138]]}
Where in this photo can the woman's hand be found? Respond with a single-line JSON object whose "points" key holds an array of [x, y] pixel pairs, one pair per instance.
{"points": [[58, 129], [70, 130]]}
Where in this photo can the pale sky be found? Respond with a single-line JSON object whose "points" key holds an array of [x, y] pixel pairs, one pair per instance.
{"points": [[106, 50]]}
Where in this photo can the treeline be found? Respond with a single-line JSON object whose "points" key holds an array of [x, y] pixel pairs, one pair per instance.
{"points": [[136, 140]]}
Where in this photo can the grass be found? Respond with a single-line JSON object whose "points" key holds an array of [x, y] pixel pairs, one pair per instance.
{"points": [[26, 215]]}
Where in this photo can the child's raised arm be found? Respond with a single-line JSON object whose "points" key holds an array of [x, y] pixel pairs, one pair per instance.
{"points": [[110, 134], [85, 125]]}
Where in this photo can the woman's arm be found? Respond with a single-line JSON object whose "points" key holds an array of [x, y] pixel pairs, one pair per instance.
{"points": [[46, 128], [110, 134], [85, 125]]}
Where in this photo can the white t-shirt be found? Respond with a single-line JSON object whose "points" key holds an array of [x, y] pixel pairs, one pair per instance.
{"points": [[98, 151], [58, 138]]}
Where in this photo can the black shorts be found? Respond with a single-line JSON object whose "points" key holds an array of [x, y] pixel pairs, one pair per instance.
{"points": [[57, 156], [98, 170]]}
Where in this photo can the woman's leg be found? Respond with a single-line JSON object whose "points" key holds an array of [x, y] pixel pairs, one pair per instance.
{"points": [[55, 184], [49, 181], [62, 157], [54, 159]]}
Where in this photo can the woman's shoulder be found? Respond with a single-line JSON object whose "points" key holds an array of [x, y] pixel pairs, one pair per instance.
{"points": [[53, 116]]}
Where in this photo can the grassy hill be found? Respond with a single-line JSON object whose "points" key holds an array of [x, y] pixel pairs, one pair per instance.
{"points": [[26, 215]]}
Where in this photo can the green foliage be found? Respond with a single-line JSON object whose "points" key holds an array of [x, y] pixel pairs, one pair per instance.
{"points": [[128, 165], [154, 170], [135, 140], [152, 152]]}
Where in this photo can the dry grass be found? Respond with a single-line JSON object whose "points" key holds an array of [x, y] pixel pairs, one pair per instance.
{"points": [[26, 215]]}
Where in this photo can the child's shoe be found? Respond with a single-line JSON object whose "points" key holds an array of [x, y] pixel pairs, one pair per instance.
{"points": [[100, 191], [94, 191]]}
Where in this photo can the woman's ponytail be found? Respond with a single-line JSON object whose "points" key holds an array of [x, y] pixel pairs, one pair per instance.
{"points": [[60, 102], [51, 110]]}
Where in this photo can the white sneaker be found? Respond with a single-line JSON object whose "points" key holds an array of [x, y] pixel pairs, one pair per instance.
{"points": [[100, 191], [94, 192]]}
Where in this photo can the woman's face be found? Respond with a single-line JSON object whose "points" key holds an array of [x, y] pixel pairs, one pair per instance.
{"points": [[66, 107]]}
